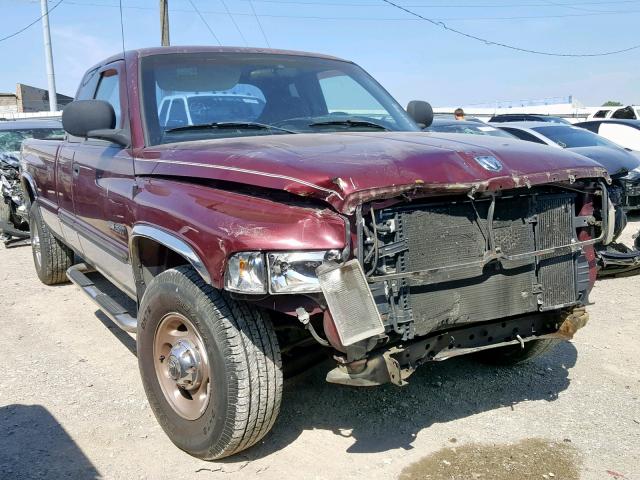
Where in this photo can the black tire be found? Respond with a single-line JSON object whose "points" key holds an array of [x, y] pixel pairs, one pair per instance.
{"points": [[5, 217], [55, 257], [244, 365], [514, 354]]}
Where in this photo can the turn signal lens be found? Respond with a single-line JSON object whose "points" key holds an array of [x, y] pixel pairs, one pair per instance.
{"points": [[245, 273]]}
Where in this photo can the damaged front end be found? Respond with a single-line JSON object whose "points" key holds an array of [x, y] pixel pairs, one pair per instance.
{"points": [[615, 258], [453, 275]]}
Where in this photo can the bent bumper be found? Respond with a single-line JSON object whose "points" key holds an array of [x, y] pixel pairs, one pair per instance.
{"points": [[397, 363]]}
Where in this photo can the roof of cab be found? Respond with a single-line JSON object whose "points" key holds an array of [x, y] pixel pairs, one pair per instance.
{"points": [[146, 52]]}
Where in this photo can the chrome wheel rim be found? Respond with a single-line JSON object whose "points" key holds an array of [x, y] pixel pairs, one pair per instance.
{"points": [[35, 245], [182, 366]]}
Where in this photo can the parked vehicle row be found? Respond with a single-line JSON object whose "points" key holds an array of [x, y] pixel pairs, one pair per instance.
{"points": [[625, 133], [322, 216], [630, 112]]}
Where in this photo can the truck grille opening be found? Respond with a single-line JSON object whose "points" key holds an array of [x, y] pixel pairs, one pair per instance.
{"points": [[454, 240]]}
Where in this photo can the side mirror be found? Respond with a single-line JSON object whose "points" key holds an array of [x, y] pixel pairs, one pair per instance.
{"points": [[421, 113], [93, 119]]}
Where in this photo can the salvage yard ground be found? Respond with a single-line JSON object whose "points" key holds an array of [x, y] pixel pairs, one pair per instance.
{"points": [[72, 405]]}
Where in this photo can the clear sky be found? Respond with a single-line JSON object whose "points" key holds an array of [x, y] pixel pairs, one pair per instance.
{"points": [[411, 58]]}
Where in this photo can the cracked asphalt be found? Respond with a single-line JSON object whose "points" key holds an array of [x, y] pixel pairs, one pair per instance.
{"points": [[72, 405]]}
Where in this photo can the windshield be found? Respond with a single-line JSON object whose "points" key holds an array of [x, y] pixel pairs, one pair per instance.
{"points": [[470, 129], [572, 137], [10, 140], [294, 93]]}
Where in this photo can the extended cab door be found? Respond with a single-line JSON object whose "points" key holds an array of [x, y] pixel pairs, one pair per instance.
{"points": [[103, 186]]}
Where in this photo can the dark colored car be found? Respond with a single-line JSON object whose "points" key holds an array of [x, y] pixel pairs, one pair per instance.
{"points": [[622, 165], [329, 220], [524, 117], [463, 126]]}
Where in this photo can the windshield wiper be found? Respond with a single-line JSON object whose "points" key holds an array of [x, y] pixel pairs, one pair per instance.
{"points": [[215, 125], [349, 123]]}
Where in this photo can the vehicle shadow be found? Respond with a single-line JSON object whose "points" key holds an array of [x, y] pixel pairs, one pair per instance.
{"points": [[107, 287], [124, 338], [34, 445], [389, 417]]}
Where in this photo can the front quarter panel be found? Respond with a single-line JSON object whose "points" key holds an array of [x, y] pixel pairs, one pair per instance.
{"points": [[216, 223]]}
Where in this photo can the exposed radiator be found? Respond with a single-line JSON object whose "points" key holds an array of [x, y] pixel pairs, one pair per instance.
{"points": [[443, 235]]}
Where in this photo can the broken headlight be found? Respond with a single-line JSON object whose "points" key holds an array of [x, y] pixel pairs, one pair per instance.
{"points": [[295, 272], [245, 273]]}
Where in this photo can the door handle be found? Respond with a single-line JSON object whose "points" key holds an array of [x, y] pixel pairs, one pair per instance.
{"points": [[76, 169]]}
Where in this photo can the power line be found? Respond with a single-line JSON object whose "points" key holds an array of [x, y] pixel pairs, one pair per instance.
{"points": [[32, 23], [384, 19], [259, 24], [234, 22], [205, 22], [504, 45], [448, 5]]}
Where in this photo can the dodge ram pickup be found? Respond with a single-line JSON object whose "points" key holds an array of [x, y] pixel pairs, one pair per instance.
{"points": [[298, 204]]}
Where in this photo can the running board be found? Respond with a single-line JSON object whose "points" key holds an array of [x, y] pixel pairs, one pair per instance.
{"points": [[111, 308]]}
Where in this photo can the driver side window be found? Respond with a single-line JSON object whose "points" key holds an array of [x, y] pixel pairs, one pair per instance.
{"points": [[109, 91]]}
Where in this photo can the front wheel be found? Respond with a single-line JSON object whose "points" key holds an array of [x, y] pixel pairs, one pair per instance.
{"points": [[210, 366]]}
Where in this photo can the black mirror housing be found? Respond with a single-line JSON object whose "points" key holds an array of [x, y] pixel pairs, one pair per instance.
{"points": [[421, 112], [93, 119]]}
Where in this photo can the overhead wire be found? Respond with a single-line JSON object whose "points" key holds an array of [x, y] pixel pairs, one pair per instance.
{"points": [[259, 24], [234, 22], [506, 45], [447, 5], [204, 20], [373, 19], [32, 23]]}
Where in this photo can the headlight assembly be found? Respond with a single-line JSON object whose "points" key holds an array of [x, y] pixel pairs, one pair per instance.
{"points": [[285, 272], [291, 272]]}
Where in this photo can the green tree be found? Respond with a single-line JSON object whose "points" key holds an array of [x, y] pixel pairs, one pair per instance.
{"points": [[611, 103]]}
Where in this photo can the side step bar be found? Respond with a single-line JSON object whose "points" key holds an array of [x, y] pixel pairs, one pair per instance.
{"points": [[111, 308]]}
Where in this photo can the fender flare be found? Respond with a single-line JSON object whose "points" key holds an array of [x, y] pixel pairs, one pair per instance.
{"points": [[27, 179], [169, 240]]}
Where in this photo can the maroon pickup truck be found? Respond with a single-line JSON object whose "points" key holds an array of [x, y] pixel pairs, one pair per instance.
{"points": [[258, 202]]}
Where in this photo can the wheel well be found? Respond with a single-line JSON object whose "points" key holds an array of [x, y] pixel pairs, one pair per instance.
{"points": [[26, 187], [153, 258]]}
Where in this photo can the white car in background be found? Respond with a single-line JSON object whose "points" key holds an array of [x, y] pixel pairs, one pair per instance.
{"points": [[201, 108], [630, 112], [625, 133]]}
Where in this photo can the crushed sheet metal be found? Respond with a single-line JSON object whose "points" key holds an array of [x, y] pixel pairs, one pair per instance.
{"points": [[244, 170], [420, 188], [573, 321]]}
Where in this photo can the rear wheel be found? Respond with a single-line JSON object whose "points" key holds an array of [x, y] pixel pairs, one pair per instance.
{"points": [[210, 366], [514, 354], [51, 256], [5, 218]]}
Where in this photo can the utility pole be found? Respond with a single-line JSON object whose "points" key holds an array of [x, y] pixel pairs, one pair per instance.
{"points": [[164, 22], [51, 76]]}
